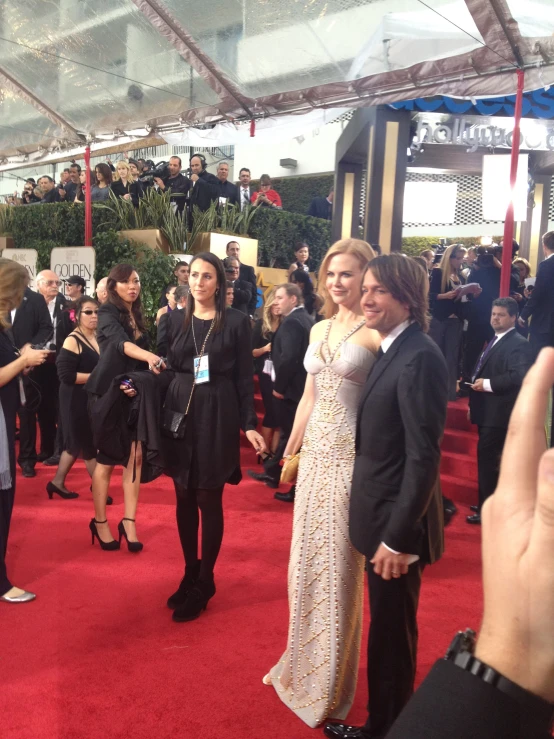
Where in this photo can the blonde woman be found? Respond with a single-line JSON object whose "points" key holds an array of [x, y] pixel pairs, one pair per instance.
{"points": [[124, 184], [316, 676], [262, 336], [447, 323]]}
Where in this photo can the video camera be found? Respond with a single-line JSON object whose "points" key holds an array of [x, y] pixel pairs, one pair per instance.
{"points": [[485, 256], [160, 170]]}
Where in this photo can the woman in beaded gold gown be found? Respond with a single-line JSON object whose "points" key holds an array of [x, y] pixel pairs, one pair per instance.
{"points": [[316, 676]]}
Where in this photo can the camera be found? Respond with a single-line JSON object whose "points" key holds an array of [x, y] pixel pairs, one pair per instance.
{"points": [[485, 256], [160, 170]]}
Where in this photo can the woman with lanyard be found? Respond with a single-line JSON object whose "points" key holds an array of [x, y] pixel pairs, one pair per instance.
{"points": [[210, 352]]}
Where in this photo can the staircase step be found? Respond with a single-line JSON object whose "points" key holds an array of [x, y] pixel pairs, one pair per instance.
{"points": [[459, 465], [463, 492], [460, 442], [456, 417]]}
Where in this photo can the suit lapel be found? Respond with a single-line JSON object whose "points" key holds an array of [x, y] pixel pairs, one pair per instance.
{"points": [[504, 339]]}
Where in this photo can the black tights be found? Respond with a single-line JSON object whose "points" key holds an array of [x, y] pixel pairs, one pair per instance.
{"points": [[210, 504]]}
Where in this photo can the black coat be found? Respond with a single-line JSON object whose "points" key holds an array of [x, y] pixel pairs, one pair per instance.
{"points": [[394, 497], [204, 191], [32, 324], [287, 352], [180, 186], [230, 191], [321, 208], [134, 189], [111, 336], [53, 196], [454, 704], [248, 274], [540, 306], [505, 366]]}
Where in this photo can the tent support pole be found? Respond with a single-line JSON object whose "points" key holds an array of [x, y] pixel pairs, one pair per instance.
{"points": [[509, 222], [88, 200]]}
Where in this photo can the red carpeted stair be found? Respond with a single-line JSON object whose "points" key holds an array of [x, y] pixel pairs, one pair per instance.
{"points": [[97, 655], [459, 456]]}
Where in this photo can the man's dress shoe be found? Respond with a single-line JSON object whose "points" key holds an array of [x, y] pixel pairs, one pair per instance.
{"points": [[262, 477], [28, 470], [344, 731], [285, 497], [476, 518]]}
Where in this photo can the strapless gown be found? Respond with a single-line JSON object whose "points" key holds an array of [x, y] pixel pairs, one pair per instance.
{"points": [[316, 676]]}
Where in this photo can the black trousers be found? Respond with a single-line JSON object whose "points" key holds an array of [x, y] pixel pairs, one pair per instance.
{"points": [[448, 337], [489, 451], [392, 646], [478, 334], [6, 508], [285, 410], [46, 380]]}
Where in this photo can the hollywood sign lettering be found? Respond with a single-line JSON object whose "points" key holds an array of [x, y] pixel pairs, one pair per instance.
{"points": [[464, 132]]}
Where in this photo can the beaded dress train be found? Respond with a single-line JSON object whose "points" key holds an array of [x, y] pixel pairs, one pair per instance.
{"points": [[316, 677]]}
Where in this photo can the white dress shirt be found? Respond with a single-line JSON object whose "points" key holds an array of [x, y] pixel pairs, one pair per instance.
{"points": [[487, 383]]}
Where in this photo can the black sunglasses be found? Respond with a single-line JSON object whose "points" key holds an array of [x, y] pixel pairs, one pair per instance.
{"points": [[90, 312]]}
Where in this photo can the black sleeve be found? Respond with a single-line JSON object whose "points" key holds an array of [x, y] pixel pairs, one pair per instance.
{"points": [[244, 375], [521, 359], [64, 327], [242, 291], [209, 185], [292, 336], [257, 339], [162, 336], [66, 364], [423, 417], [110, 326], [254, 297], [43, 322], [434, 287]]}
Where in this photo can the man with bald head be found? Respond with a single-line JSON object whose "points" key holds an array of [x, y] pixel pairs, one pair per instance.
{"points": [[228, 192], [48, 285], [102, 291]]}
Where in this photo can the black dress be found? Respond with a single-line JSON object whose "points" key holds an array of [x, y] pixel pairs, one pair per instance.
{"points": [[9, 398], [266, 384], [77, 433], [209, 455]]}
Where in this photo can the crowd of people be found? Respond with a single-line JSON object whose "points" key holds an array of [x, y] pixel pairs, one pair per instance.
{"points": [[355, 395]]}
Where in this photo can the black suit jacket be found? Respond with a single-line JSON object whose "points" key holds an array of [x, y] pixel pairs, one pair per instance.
{"points": [[52, 197], [395, 498], [505, 366], [287, 352], [230, 191], [32, 324], [321, 208], [454, 704], [540, 305], [204, 191], [248, 274]]}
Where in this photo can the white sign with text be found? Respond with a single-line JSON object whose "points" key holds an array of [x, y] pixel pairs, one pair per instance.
{"points": [[74, 260], [26, 257]]}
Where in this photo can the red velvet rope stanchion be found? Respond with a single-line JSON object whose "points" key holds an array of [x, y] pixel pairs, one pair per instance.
{"points": [[509, 222], [88, 200]]}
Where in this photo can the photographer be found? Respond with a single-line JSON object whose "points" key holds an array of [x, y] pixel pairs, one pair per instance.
{"points": [[28, 195], [177, 183]]}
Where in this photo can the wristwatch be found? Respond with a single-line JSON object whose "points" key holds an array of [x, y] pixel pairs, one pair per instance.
{"points": [[461, 653]]}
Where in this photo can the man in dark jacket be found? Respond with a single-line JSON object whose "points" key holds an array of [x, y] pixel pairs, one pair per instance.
{"points": [[176, 182], [246, 273], [205, 186], [48, 187], [540, 306], [322, 207], [228, 192]]}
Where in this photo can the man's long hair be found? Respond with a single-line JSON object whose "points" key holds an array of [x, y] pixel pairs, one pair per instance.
{"points": [[406, 282]]}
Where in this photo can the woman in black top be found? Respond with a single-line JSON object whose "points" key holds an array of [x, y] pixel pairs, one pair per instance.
{"points": [[76, 360], [123, 184], [13, 281], [447, 324], [262, 335], [313, 303], [123, 344], [302, 254], [220, 403]]}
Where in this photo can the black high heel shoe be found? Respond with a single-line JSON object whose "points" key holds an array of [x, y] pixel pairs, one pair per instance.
{"points": [[185, 586], [107, 545], [132, 546], [196, 602], [51, 489]]}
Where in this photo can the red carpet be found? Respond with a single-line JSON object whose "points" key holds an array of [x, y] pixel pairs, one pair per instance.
{"points": [[97, 655]]}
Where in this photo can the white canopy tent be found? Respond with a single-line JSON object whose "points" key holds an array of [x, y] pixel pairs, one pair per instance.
{"points": [[74, 72]]}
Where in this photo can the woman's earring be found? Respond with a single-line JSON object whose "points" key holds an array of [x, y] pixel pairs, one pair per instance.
{"points": [[217, 293]]}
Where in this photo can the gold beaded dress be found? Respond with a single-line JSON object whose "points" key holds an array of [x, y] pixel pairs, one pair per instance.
{"points": [[316, 677]]}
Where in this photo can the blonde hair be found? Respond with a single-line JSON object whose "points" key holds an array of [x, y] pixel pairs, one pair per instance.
{"points": [[13, 281], [359, 249], [521, 260], [116, 176], [267, 317], [445, 265]]}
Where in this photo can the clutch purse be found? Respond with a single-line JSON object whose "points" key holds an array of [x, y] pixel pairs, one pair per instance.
{"points": [[289, 471], [173, 424]]}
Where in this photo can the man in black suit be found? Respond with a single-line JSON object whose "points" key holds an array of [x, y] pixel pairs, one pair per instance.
{"points": [[322, 207], [246, 274], [497, 378], [204, 186], [245, 189], [31, 324], [287, 353], [48, 187], [540, 306], [395, 505], [228, 192]]}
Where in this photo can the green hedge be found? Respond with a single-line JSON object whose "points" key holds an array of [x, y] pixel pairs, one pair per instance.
{"points": [[297, 192]]}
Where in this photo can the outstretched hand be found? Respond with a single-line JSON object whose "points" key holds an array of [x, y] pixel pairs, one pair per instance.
{"points": [[517, 635], [257, 441]]}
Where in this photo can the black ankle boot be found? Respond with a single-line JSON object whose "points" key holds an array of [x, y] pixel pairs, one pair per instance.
{"points": [[196, 602], [187, 583]]}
